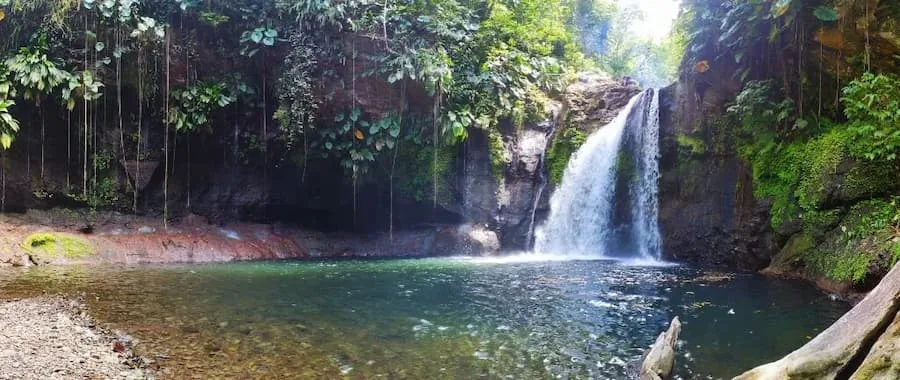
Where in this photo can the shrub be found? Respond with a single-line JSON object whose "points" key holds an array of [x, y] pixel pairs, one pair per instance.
{"points": [[872, 105]]}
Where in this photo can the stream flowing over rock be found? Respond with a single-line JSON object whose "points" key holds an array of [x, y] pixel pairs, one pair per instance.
{"points": [[607, 204], [862, 345], [519, 200]]}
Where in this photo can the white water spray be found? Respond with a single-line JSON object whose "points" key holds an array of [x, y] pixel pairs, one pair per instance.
{"points": [[587, 213]]}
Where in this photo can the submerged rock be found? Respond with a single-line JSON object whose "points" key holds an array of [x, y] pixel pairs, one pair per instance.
{"points": [[863, 343], [660, 360]]}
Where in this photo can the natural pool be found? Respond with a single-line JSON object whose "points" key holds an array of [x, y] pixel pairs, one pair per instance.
{"points": [[436, 318]]}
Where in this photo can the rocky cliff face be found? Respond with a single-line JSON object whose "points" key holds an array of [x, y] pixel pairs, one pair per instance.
{"points": [[708, 215], [496, 181]]}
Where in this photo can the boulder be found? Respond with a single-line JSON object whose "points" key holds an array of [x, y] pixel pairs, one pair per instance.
{"points": [[660, 360], [862, 343], [594, 99]]}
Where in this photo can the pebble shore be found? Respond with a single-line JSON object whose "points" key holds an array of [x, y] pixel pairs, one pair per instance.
{"points": [[54, 338]]}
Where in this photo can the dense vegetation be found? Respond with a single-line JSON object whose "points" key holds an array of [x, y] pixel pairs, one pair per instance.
{"points": [[817, 119], [382, 89]]}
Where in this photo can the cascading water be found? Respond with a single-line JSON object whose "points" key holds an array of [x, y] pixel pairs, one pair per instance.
{"points": [[607, 204]]}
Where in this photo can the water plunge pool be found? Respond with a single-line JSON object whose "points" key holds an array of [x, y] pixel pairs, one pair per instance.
{"points": [[436, 318]]}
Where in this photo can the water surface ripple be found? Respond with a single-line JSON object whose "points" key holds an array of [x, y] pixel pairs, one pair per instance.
{"points": [[436, 318]]}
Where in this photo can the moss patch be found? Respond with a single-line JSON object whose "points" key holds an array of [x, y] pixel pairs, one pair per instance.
{"points": [[818, 165], [817, 223], [417, 171], [691, 145], [857, 247], [562, 149], [46, 244], [496, 147], [869, 178], [895, 254], [776, 173], [793, 252], [845, 265]]}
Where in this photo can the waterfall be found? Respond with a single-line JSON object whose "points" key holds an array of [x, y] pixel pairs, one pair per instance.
{"points": [[607, 204]]}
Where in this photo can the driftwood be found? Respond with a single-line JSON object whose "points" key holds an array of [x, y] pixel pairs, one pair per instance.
{"points": [[860, 345], [660, 360]]}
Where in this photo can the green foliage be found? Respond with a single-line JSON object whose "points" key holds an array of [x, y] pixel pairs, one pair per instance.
{"points": [[297, 104], [481, 62], [253, 40], [795, 164], [250, 146], [9, 126], [35, 75], [871, 217], [895, 254], [562, 149], [784, 168], [416, 170], [818, 165], [776, 175], [214, 19], [731, 34], [866, 233], [34, 72], [763, 112], [872, 105], [105, 193], [620, 52], [842, 265], [817, 223], [192, 107], [123, 10], [497, 149], [357, 142], [826, 14]]}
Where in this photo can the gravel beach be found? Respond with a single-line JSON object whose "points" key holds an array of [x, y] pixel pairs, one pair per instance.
{"points": [[53, 338]]}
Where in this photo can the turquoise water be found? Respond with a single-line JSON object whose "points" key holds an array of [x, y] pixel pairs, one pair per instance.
{"points": [[437, 318]]}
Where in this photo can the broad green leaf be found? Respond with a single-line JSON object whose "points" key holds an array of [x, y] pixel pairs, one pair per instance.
{"points": [[256, 36], [827, 14], [781, 7], [5, 140]]}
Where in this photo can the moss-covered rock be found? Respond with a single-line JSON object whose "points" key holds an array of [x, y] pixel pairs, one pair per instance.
{"points": [[857, 250], [817, 223], [792, 254], [47, 247], [832, 176]]}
